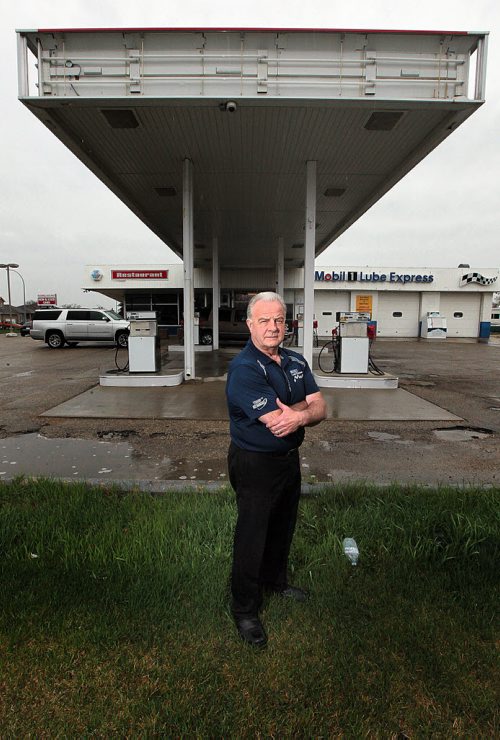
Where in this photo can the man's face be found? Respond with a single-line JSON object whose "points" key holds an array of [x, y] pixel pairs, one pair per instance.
{"points": [[267, 325]]}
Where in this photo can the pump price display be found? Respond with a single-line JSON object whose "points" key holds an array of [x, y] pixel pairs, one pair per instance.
{"points": [[139, 274]]}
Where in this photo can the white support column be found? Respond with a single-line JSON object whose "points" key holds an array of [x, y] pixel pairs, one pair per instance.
{"points": [[23, 88], [310, 244], [187, 256], [215, 292], [482, 54], [280, 277]]}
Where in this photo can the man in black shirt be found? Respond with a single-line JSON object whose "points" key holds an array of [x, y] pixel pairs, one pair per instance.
{"points": [[271, 395]]}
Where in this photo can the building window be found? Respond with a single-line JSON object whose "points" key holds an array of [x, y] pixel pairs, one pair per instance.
{"points": [[167, 315], [139, 301], [458, 315], [397, 314]]}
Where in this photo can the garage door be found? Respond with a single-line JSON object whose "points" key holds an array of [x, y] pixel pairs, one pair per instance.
{"points": [[326, 305], [397, 314], [462, 312]]}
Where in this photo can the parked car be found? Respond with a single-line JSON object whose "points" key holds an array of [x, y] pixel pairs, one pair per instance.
{"points": [[26, 328], [232, 326], [59, 326]]}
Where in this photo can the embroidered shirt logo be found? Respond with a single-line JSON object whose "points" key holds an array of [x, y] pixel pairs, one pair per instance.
{"points": [[296, 374], [259, 403]]}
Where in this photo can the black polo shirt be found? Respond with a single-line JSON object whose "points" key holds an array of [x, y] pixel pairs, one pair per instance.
{"points": [[254, 381]]}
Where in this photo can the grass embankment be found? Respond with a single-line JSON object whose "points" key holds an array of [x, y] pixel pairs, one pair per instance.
{"points": [[114, 617]]}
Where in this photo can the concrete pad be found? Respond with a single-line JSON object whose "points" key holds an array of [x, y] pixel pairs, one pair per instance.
{"points": [[352, 404], [188, 401], [203, 401]]}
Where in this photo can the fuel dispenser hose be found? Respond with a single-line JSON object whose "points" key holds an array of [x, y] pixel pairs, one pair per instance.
{"points": [[372, 367], [125, 367], [334, 343]]}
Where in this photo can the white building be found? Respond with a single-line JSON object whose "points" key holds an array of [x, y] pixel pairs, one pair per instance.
{"points": [[398, 298]]}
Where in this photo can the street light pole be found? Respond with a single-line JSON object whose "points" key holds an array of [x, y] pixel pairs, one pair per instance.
{"points": [[24, 294], [7, 267]]}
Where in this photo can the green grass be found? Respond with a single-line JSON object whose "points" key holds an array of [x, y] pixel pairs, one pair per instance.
{"points": [[120, 624]]}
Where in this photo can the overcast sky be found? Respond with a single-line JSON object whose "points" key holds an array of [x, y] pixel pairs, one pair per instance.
{"points": [[55, 216]]}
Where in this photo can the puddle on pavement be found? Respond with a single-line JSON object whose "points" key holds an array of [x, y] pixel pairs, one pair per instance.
{"points": [[461, 434], [421, 383], [189, 470], [386, 437], [383, 436], [33, 454]]}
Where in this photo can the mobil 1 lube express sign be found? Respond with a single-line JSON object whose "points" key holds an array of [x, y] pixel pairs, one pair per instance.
{"points": [[358, 276]]}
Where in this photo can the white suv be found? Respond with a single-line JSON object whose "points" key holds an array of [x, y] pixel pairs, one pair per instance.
{"points": [[59, 326]]}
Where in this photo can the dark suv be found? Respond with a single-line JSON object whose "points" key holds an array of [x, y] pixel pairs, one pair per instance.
{"points": [[232, 326]]}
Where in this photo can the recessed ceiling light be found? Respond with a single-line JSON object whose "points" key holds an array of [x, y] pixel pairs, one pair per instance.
{"points": [[383, 120], [120, 118], [166, 192], [334, 192]]}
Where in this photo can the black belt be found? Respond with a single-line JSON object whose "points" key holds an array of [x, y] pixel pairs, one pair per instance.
{"points": [[270, 453], [277, 453]]}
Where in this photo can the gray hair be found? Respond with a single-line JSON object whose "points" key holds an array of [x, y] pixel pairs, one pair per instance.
{"points": [[267, 295]]}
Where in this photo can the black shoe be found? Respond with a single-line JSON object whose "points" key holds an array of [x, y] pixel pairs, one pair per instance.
{"points": [[294, 592], [251, 631]]}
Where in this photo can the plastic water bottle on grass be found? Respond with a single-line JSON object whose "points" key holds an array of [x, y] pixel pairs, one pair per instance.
{"points": [[351, 550]]}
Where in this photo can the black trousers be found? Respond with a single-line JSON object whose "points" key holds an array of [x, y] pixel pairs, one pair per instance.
{"points": [[267, 495]]}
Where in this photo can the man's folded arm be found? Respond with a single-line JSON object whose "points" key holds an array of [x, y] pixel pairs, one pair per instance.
{"points": [[287, 419], [313, 409]]}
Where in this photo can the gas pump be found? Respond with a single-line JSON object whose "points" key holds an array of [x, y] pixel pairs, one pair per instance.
{"points": [[143, 342], [354, 343]]}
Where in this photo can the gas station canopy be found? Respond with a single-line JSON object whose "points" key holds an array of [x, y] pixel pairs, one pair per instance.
{"points": [[249, 108]]}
